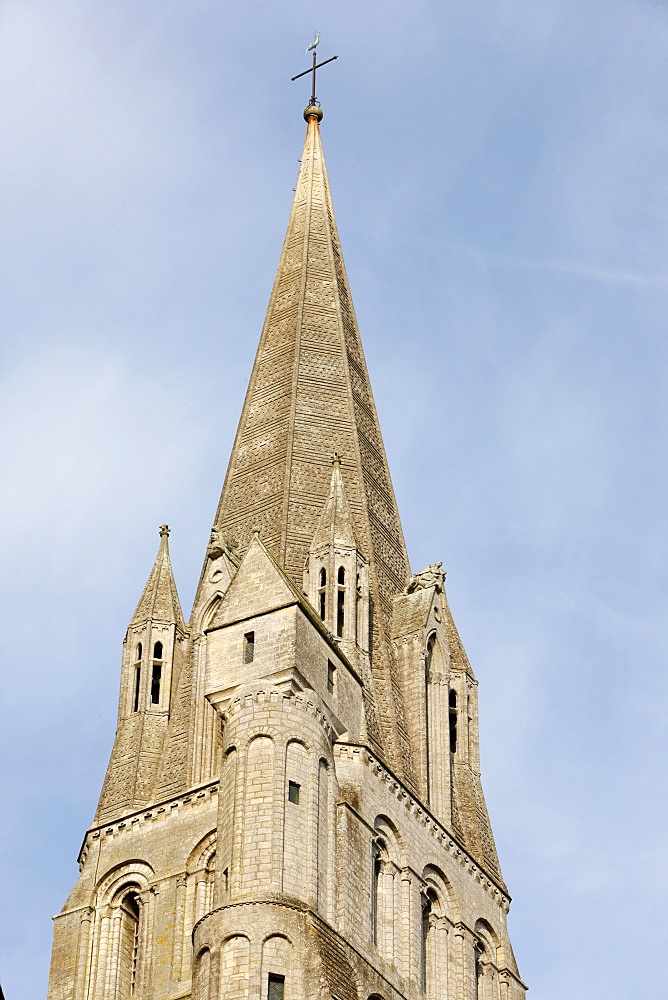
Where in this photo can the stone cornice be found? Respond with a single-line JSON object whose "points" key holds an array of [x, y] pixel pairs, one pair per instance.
{"points": [[148, 814], [268, 694], [362, 754]]}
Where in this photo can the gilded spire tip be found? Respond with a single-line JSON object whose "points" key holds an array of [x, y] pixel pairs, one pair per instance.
{"points": [[164, 530]]}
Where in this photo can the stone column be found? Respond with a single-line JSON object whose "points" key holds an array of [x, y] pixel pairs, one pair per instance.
{"points": [[95, 953], [465, 958], [113, 958], [179, 928], [102, 956], [80, 979], [312, 804], [438, 749], [387, 910], [441, 956], [406, 885], [277, 808], [200, 895], [147, 900], [239, 822]]}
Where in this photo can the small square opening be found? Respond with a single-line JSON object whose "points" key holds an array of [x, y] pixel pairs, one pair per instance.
{"points": [[293, 792]]}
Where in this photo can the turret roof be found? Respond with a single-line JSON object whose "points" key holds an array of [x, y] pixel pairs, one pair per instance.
{"points": [[335, 526], [160, 600]]}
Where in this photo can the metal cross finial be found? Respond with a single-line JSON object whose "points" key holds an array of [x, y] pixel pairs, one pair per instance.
{"points": [[314, 67]]}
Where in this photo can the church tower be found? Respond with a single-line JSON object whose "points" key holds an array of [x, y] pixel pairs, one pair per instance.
{"points": [[293, 807]]}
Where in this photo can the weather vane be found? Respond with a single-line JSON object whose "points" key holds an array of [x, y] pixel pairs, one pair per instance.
{"points": [[311, 48]]}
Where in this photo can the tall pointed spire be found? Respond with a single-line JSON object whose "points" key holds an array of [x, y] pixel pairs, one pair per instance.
{"points": [[160, 600], [309, 396]]}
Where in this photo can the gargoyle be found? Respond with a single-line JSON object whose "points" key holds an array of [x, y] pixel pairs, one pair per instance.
{"points": [[430, 576]]}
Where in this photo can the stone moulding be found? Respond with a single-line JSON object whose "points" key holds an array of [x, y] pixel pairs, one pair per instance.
{"points": [[361, 754], [195, 797], [268, 695]]}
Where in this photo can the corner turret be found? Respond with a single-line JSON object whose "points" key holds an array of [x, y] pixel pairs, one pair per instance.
{"points": [[336, 574], [152, 659]]}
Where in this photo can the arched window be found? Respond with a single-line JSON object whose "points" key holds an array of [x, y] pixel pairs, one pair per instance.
{"points": [[129, 944], [156, 673], [340, 601], [452, 718], [135, 700], [437, 918], [385, 914], [322, 593], [486, 966]]}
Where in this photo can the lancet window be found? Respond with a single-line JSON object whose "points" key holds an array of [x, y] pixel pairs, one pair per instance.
{"points": [[452, 718], [322, 593], [340, 601], [156, 673], [135, 700]]}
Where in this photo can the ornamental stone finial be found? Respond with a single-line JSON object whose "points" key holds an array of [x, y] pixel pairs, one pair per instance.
{"points": [[164, 530]]}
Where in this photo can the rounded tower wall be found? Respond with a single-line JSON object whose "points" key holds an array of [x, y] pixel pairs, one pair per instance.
{"points": [[276, 818]]}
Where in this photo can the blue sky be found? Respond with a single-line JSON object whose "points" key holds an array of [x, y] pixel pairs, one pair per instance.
{"points": [[500, 178]]}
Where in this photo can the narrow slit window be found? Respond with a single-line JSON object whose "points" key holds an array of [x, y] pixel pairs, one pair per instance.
{"points": [[249, 647], [331, 677], [340, 601], [135, 700], [322, 594], [293, 792], [135, 707], [155, 683], [452, 702], [276, 987], [156, 673]]}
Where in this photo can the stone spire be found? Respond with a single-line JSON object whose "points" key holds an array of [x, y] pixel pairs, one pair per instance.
{"points": [[335, 526], [159, 601], [151, 667], [309, 396]]}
